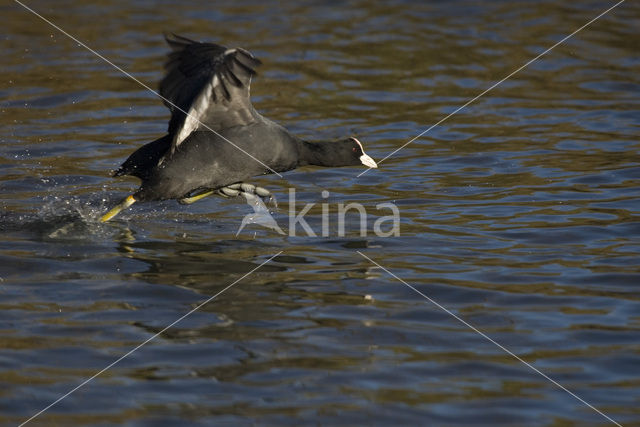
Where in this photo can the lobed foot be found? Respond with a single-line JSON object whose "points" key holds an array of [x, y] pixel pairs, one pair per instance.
{"points": [[232, 190]]}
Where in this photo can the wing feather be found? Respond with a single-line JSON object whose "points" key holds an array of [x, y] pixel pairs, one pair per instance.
{"points": [[211, 83]]}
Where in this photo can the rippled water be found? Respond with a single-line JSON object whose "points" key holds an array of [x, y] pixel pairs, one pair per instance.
{"points": [[519, 215]]}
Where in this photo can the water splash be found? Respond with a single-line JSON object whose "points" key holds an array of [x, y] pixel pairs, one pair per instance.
{"points": [[58, 217]]}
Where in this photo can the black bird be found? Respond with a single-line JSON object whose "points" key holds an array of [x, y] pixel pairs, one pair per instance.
{"points": [[216, 139]]}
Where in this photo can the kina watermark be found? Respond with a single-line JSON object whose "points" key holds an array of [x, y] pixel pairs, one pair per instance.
{"points": [[336, 219]]}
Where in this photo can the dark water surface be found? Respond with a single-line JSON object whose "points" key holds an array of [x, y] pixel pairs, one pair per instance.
{"points": [[519, 214]]}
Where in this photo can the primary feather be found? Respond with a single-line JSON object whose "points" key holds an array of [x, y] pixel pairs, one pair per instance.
{"points": [[209, 82]]}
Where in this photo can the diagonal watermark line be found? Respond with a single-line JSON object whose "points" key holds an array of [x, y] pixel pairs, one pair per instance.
{"points": [[208, 300], [503, 348], [493, 86], [140, 83]]}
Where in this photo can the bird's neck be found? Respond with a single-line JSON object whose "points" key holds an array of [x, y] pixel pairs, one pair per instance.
{"points": [[317, 153]]}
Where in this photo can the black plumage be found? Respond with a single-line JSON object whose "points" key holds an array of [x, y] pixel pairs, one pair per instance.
{"points": [[215, 137]]}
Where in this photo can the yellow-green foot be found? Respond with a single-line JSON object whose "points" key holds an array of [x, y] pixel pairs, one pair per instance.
{"points": [[124, 204], [232, 190], [192, 199]]}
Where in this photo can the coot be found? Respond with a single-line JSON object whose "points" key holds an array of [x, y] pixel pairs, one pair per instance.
{"points": [[216, 140]]}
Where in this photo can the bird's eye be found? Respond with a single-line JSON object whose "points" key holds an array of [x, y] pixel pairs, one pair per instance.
{"points": [[354, 149]]}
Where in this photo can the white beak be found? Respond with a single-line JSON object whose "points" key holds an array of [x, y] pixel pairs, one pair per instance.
{"points": [[368, 161]]}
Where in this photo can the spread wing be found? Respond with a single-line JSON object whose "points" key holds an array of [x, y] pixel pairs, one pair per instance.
{"points": [[211, 83]]}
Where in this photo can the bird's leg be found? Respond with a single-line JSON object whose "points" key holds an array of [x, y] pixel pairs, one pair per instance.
{"points": [[232, 190], [192, 199], [124, 204]]}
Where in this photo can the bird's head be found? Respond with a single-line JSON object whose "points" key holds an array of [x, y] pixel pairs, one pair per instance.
{"points": [[353, 150]]}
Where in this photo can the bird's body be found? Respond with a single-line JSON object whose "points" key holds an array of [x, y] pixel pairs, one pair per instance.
{"points": [[215, 137], [216, 165]]}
